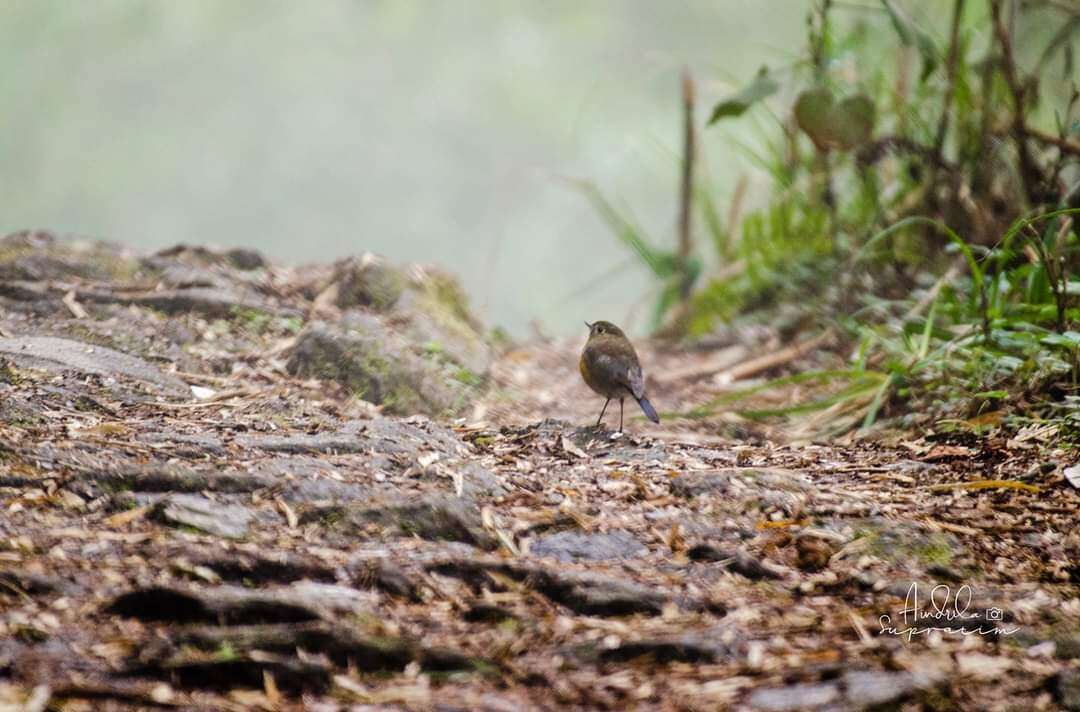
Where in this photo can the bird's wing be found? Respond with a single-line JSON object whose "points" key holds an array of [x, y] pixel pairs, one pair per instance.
{"points": [[615, 369], [636, 381]]}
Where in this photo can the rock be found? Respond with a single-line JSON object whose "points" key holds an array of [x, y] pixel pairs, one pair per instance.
{"points": [[226, 673], [37, 255], [1067, 645], [795, 697], [58, 355], [416, 350], [584, 593], [259, 568], [321, 491], [368, 281], [638, 454], [574, 546], [476, 479], [342, 643], [329, 443], [872, 689], [228, 521], [18, 408], [32, 583], [385, 576], [245, 259], [742, 490], [236, 605], [738, 561], [394, 445], [299, 467], [199, 256], [486, 613], [738, 479], [165, 477], [210, 302], [434, 312], [597, 595], [380, 366], [1066, 688], [407, 438], [192, 446], [709, 646], [182, 276], [436, 518]]}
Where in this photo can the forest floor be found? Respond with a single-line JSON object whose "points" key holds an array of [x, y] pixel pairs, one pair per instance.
{"points": [[187, 525]]}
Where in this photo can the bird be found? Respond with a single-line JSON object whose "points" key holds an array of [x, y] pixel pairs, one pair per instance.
{"points": [[609, 365]]}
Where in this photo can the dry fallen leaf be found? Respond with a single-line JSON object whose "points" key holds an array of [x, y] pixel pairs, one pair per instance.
{"points": [[1072, 475]]}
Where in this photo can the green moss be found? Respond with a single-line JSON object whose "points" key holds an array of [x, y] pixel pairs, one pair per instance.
{"points": [[468, 378], [499, 338], [448, 293], [8, 373], [253, 320], [292, 324], [927, 549], [935, 551]]}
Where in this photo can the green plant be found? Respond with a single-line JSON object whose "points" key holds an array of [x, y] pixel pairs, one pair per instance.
{"points": [[927, 217]]}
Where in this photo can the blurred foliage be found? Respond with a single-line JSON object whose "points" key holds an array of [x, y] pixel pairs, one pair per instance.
{"points": [[925, 185]]}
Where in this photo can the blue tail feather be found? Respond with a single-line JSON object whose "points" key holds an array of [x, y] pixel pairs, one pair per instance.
{"points": [[649, 411]]}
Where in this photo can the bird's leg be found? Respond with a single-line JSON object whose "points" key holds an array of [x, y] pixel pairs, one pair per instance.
{"points": [[620, 414], [602, 410]]}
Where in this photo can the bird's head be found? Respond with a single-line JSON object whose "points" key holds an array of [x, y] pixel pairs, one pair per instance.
{"points": [[603, 328]]}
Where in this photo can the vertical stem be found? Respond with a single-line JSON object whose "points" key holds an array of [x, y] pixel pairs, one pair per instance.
{"points": [[1029, 171], [950, 88], [687, 189], [817, 56], [946, 104]]}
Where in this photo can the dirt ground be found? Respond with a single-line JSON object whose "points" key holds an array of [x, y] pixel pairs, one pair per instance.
{"points": [[187, 523]]}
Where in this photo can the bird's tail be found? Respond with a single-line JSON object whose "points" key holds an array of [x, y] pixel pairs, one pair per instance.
{"points": [[649, 411]]}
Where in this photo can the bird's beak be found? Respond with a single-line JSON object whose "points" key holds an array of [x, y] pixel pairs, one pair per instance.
{"points": [[588, 325]]}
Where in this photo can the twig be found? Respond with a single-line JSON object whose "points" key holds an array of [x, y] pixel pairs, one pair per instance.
{"points": [[746, 369], [73, 306], [1061, 142], [201, 377], [983, 484], [686, 192], [872, 152], [216, 399], [726, 358]]}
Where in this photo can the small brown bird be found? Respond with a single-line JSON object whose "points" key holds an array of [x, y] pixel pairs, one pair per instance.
{"points": [[610, 367]]}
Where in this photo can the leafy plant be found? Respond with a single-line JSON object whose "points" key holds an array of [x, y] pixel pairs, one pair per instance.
{"points": [[929, 222]]}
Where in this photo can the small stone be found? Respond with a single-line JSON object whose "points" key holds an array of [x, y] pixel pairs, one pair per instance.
{"points": [[227, 521], [873, 689], [794, 697], [575, 546]]}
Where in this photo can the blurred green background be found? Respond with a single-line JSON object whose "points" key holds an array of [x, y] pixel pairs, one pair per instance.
{"points": [[441, 132]]}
